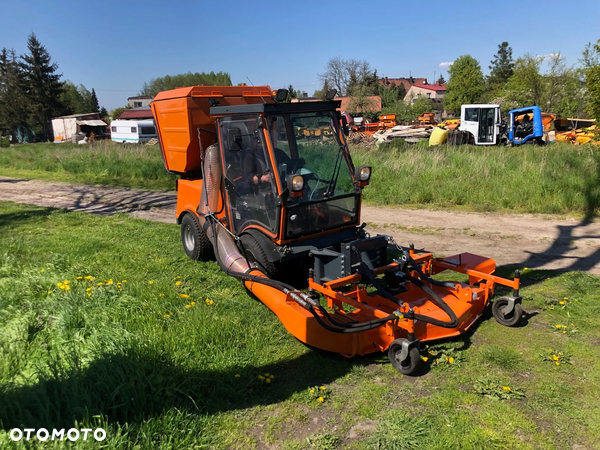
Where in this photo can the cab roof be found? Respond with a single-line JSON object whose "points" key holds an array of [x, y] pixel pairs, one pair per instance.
{"points": [[275, 108]]}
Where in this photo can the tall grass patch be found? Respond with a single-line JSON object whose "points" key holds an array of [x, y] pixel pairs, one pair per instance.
{"points": [[104, 162], [551, 179]]}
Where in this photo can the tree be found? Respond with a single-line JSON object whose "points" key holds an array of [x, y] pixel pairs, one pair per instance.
{"points": [[344, 75], [103, 112], [592, 79], [440, 80], [43, 85], [94, 102], [465, 84], [526, 85], [360, 101], [502, 65], [13, 101], [391, 94], [563, 91], [168, 82], [76, 99]]}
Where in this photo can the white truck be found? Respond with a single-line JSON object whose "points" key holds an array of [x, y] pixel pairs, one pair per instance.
{"points": [[133, 131], [483, 121]]}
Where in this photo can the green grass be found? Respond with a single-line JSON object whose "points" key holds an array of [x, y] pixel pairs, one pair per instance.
{"points": [[557, 178], [113, 358], [105, 162]]}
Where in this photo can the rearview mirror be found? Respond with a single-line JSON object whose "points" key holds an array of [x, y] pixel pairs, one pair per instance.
{"points": [[345, 126]]}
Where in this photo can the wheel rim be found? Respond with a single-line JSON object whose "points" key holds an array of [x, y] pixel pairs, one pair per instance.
{"points": [[189, 240]]}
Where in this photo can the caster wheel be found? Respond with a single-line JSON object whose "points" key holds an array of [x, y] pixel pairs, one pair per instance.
{"points": [[510, 319], [410, 364]]}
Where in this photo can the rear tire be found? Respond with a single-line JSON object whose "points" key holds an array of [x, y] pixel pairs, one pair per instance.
{"points": [[195, 241], [257, 257]]}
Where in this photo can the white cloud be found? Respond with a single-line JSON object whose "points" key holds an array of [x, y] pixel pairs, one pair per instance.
{"points": [[446, 64]]}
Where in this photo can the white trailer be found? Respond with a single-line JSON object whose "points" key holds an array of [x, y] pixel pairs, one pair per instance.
{"points": [[133, 131]]}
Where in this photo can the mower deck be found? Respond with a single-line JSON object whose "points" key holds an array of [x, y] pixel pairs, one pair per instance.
{"points": [[349, 300]]}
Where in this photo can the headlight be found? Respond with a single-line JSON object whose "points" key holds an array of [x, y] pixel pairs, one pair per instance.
{"points": [[295, 183], [363, 174]]}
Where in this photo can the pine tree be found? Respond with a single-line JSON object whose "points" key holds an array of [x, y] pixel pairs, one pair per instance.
{"points": [[441, 79], [95, 104], [502, 65], [13, 102], [44, 87]]}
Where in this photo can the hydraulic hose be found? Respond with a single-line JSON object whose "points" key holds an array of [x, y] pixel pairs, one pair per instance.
{"points": [[430, 293], [416, 266]]}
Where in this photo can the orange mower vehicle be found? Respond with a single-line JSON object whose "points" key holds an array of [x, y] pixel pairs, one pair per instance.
{"points": [[265, 200]]}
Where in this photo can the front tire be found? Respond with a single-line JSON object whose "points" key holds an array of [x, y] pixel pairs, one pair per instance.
{"points": [[257, 257], [510, 319], [408, 366], [195, 241]]}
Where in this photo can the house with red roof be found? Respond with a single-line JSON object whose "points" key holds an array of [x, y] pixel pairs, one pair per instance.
{"points": [[430, 91]]}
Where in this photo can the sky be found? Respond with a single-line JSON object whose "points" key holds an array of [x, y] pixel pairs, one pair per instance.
{"points": [[114, 47]]}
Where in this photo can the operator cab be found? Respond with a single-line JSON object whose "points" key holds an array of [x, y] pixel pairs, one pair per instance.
{"points": [[287, 171]]}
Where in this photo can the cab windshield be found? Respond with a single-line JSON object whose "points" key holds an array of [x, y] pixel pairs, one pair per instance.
{"points": [[308, 144]]}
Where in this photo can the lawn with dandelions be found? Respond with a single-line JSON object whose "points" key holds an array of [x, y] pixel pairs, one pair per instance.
{"points": [[105, 322]]}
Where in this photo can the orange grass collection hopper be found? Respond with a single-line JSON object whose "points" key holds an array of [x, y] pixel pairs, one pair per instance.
{"points": [[273, 203]]}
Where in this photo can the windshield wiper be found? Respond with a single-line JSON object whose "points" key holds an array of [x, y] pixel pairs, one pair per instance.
{"points": [[336, 171]]}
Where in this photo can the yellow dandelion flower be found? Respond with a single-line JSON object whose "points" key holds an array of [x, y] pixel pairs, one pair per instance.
{"points": [[124, 281], [506, 388], [150, 282], [572, 324], [166, 315], [424, 358], [451, 360], [67, 281], [312, 391], [320, 399], [177, 277], [266, 375], [80, 278], [161, 295], [100, 284], [42, 271], [564, 332], [562, 302], [109, 282], [552, 308], [50, 292], [188, 306], [559, 326], [272, 376], [88, 277], [557, 363], [89, 289], [526, 268], [555, 357], [89, 295], [193, 303], [178, 283], [566, 298], [67, 287], [268, 380], [260, 377], [322, 388], [59, 284], [184, 296], [237, 375]]}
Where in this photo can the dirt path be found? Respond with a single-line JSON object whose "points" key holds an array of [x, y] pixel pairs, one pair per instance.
{"points": [[532, 241]]}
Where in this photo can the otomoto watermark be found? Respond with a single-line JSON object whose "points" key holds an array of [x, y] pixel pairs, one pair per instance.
{"points": [[42, 434]]}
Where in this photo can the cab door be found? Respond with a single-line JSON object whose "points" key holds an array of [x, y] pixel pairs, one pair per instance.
{"points": [[248, 176]]}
